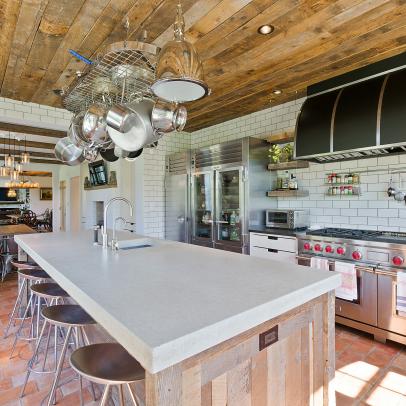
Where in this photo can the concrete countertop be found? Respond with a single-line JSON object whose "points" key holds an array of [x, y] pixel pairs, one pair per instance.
{"points": [[168, 302]]}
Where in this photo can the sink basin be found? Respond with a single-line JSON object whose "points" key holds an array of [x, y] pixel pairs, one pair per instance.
{"points": [[134, 243]]}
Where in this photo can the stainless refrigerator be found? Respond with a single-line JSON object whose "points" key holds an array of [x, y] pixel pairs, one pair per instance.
{"points": [[228, 185]]}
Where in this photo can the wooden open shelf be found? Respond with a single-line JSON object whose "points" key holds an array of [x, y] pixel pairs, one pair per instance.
{"points": [[288, 193], [288, 165], [281, 138], [100, 187]]}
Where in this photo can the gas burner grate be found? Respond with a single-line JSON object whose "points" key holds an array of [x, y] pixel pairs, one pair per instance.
{"points": [[357, 234]]}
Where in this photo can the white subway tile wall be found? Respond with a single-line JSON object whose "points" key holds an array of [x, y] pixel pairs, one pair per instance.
{"points": [[154, 181], [33, 113]]}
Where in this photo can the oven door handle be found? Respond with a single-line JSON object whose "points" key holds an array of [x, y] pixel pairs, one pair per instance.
{"points": [[357, 267], [385, 273]]}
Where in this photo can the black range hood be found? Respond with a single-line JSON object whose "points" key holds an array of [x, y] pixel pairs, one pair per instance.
{"points": [[360, 120]]}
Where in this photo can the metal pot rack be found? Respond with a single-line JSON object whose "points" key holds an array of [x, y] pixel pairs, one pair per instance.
{"points": [[122, 74]]}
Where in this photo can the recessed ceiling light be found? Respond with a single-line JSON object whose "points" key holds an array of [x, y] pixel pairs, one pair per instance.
{"points": [[266, 29], [277, 91]]}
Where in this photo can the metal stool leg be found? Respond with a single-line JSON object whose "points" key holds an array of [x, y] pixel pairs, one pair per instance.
{"points": [[105, 396], [132, 394], [17, 304], [121, 395], [51, 400]]}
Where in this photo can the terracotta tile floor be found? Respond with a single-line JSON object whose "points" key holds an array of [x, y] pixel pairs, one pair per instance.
{"points": [[367, 372]]}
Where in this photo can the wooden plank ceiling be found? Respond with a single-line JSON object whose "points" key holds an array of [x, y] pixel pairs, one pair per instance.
{"points": [[313, 41]]}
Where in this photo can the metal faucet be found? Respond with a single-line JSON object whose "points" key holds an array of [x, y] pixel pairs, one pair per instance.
{"points": [[114, 239], [104, 228]]}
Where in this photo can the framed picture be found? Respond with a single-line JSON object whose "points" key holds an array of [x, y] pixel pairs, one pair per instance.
{"points": [[45, 193]]}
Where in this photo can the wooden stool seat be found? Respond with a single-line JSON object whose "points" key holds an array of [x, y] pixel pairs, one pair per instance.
{"points": [[49, 290], [107, 363], [67, 315], [33, 274]]}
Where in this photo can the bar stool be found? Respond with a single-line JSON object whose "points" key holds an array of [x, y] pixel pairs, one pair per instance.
{"points": [[108, 364], [63, 316], [9, 252], [24, 282]]}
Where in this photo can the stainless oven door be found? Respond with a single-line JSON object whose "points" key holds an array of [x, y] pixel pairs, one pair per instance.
{"points": [[365, 308], [388, 317]]}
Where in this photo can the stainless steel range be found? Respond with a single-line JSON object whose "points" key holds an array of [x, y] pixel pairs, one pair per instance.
{"points": [[378, 257]]}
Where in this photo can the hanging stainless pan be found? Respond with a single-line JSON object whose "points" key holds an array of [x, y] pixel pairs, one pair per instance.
{"points": [[168, 117], [94, 124], [108, 155], [141, 131], [68, 153]]}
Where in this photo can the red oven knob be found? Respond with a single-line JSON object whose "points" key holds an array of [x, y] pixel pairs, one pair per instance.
{"points": [[398, 261], [307, 246], [356, 255], [340, 251], [318, 248], [329, 249]]}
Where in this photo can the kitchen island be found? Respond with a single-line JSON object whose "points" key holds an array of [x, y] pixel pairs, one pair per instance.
{"points": [[210, 327]]}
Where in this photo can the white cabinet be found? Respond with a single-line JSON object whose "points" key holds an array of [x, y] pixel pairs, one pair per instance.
{"points": [[272, 246]]}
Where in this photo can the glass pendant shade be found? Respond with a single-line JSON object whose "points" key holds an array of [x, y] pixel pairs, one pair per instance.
{"points": [[4, 170], [9, 161], [25, 158], [14, 175], [18, 167], [179, 71]]}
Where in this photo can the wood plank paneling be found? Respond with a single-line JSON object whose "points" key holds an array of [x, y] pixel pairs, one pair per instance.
{"points": [[313, 40], [9, 11], [237, 373], [30, 144]]}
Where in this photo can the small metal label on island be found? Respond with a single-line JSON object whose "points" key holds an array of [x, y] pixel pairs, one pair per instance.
{"points": [[268, 338]]}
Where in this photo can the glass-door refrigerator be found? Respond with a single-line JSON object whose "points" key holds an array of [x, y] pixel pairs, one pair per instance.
{"points": [[228, 193]]}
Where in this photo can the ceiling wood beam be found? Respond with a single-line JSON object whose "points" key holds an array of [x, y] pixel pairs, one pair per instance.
{"points": [[43, 174], [46, 161], [32, 153], [30, 144], [26, 129]]}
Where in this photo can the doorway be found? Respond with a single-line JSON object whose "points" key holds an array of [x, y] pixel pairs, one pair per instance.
{"points": [[75, 203], [62, 205]]}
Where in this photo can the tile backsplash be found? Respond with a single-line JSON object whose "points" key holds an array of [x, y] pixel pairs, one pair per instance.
{"points": [[372, 210]]}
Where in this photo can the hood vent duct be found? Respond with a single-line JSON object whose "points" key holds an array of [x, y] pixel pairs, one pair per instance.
{"points": [[358, 121]]}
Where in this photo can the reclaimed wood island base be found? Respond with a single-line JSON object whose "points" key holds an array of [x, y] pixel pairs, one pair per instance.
{"points": [[296, 368], [211, 328]]}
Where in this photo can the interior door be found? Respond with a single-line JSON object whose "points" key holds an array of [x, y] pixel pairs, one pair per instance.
{"points": [[202, 202], [176, 207], [229, 211]]}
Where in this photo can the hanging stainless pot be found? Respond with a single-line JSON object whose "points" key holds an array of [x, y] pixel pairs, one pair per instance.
{"points": [[392, 191], [168, 117], [121, 118], [74, 134], [68, 153], [108, 155], [141, 132], [132, 156], [94, 124], [90, 153]]}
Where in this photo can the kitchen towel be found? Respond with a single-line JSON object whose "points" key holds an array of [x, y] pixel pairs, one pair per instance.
{"points": [[319, 263], [401, 292], [348, 289]]}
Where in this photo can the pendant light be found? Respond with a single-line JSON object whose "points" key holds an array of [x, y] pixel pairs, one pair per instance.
{"points": [[179, 70], [25, 156], [17, 165], [9, 159], [11, 193], [3, 168]]}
